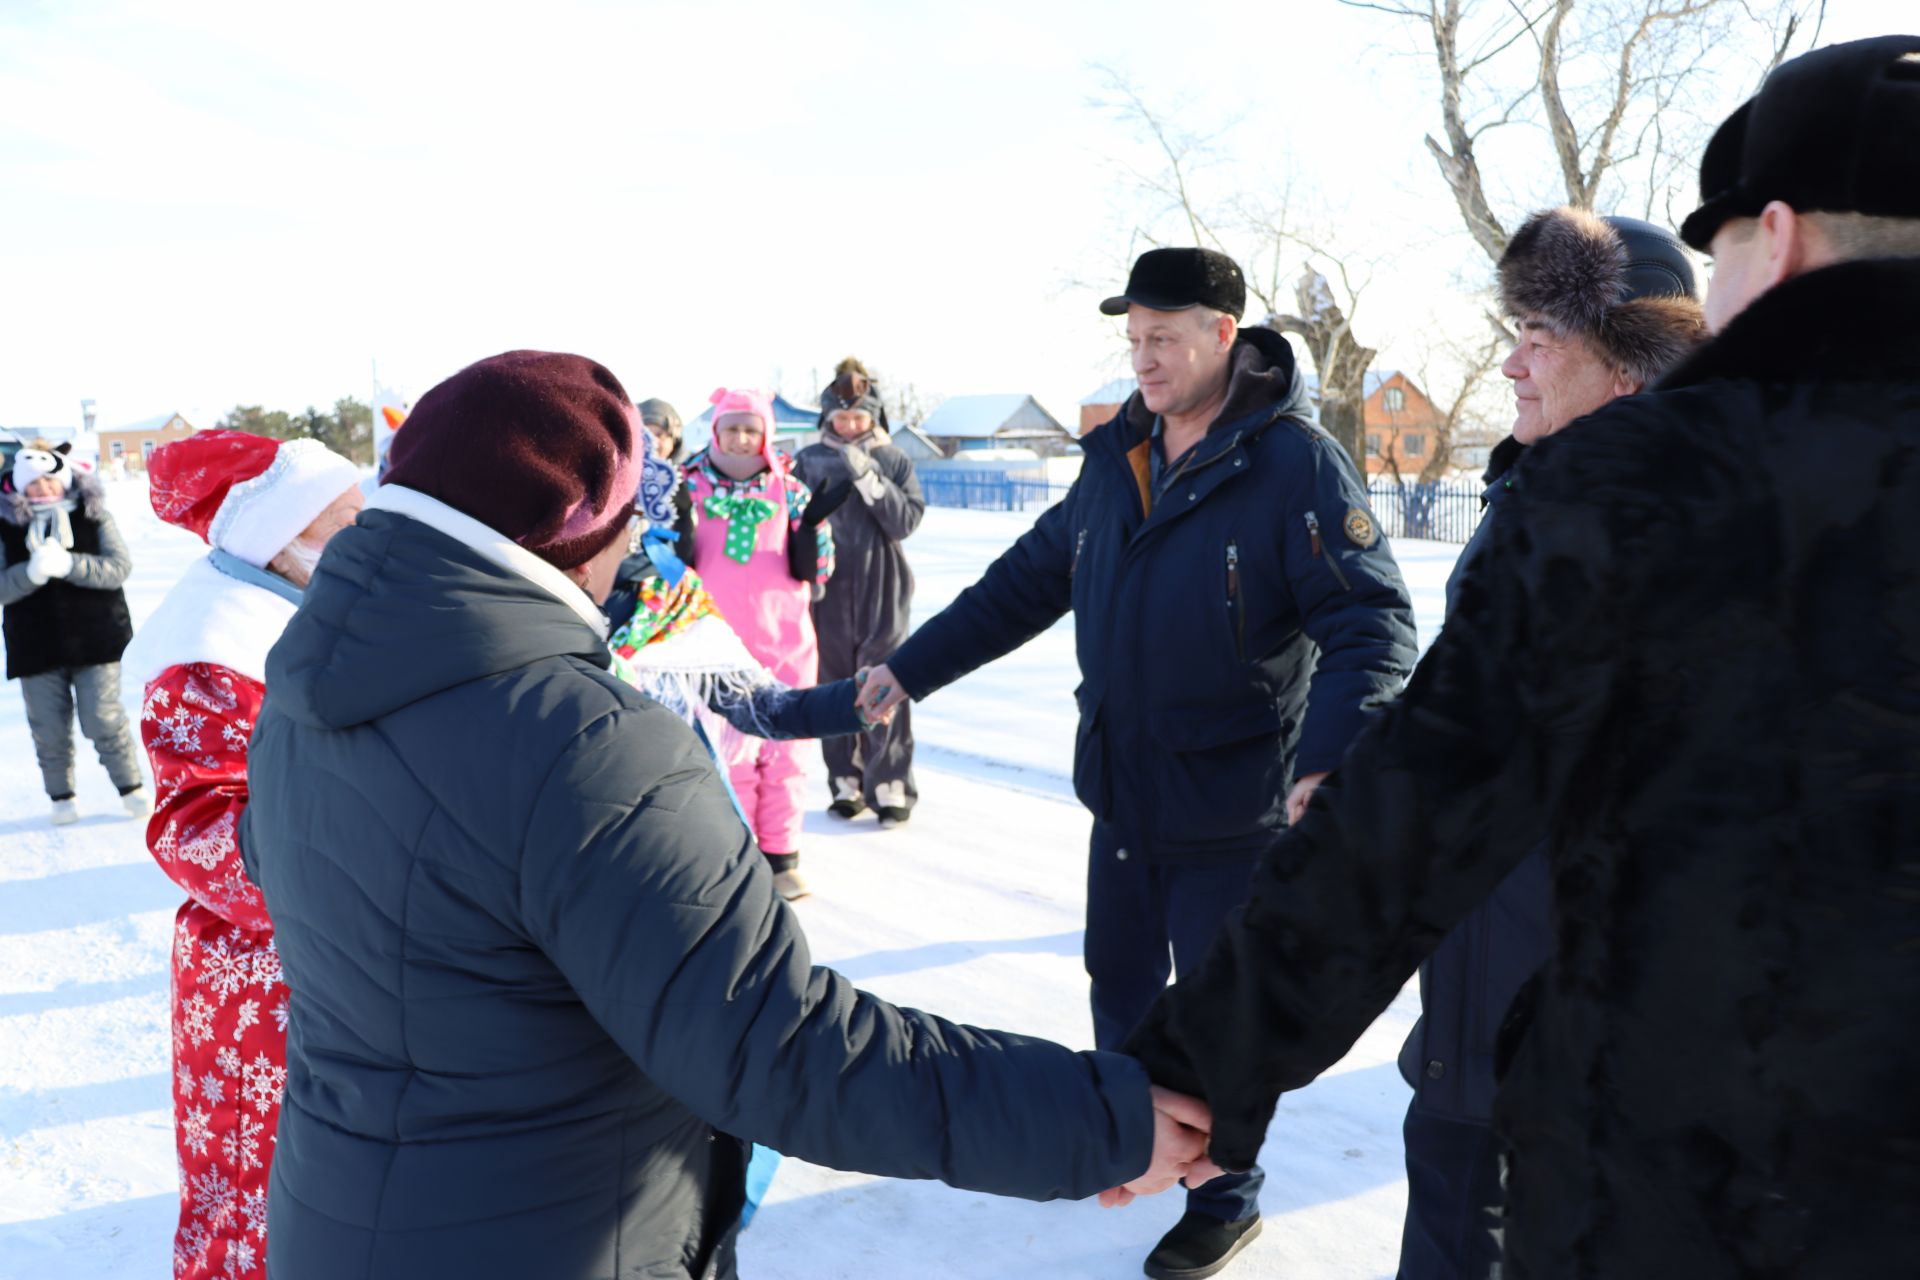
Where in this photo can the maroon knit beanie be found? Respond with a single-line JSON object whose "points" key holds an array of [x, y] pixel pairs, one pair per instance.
{"points": [[540, 446]]}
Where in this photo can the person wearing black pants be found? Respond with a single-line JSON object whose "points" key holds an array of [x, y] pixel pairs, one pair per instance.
{"points": [[1140, 914]]}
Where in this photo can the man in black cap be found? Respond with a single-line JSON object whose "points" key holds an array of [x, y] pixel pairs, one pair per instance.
{"points": [[1236, 615], [1601, 308], [1689, 651]]}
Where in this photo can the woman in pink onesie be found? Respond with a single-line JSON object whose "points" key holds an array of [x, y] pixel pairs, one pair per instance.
{"points": [[752, 546]]}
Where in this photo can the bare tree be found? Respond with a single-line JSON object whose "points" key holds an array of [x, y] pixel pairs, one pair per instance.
{"points": [[907, 405], [1259, 232], [1613, 84], [1340, 359], [1450, 417]]}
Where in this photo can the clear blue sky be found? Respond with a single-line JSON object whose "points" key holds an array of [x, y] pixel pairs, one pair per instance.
{"points": [[211, 203]]}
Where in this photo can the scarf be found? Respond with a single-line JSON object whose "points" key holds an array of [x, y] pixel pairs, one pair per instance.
{"points": [[51, 522], [738, 466], [240, 571], [678, 650]]}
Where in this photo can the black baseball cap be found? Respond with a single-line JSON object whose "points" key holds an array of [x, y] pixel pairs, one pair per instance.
{"points": [[1832, 131], [1176, 279]]}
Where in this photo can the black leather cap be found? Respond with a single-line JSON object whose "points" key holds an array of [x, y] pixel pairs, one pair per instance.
{"points": [[1657, 263], [1176, 279], [1834, 131]]}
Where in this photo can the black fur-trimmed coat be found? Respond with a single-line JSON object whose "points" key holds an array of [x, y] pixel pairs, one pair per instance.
{"points": [[1691, 654], [80, 620]]}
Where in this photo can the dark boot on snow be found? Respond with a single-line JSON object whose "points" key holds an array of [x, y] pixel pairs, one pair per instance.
{"points": [[1200, 1245]]}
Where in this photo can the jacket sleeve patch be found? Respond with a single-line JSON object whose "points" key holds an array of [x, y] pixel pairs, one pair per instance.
{"points": [[1360, 528]]}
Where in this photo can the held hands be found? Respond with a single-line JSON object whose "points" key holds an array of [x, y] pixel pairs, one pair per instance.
{"points": [[1180, 1130], [879, 693], [49, 560], [1302, 792]]}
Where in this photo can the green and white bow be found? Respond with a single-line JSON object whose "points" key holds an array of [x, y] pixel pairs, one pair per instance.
{"points": [[744, 516]]}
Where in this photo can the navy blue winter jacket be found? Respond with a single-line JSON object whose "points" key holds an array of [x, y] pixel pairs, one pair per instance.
{"points": [[1469, 982], [539, 972], [1238, 630]]}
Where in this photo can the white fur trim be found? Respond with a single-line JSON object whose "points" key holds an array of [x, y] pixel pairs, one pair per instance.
{"points": [[209, 617], [492, 544], [262, 515]]}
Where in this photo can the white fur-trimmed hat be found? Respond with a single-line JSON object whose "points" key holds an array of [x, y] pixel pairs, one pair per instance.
{"points": [[247, 495]]}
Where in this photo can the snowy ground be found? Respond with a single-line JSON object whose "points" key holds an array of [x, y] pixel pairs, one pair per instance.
{"points": [[973, 911]]}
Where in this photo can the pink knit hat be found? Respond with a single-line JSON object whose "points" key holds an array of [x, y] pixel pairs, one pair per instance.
{"points": [[755, 401], [746, 400]]}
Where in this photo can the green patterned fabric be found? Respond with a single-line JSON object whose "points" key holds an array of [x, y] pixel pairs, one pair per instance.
{"points": [[744, 516]]}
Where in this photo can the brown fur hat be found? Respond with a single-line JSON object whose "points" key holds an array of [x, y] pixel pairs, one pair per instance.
{"points": [[1624, 285]]}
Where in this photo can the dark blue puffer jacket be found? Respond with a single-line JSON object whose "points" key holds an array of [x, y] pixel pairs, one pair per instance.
{"points": [[1230, 634], [1469, 982], [539, 972]]}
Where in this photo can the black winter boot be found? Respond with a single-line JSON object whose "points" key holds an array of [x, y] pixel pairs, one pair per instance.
{"points": [[847, 810], [1200, 1245]]}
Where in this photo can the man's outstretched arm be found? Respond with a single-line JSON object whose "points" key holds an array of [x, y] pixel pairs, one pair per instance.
{"points": [[1025, 591]]}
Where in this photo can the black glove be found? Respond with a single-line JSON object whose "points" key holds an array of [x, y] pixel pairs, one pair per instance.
{"points": [[803, 548]]}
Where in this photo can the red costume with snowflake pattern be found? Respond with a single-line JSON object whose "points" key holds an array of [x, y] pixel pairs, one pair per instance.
{"points": [[229, 1003]]}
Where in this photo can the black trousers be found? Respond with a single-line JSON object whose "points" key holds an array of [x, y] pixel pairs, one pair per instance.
{"points": [[1146, 921], [1453, 1199]]}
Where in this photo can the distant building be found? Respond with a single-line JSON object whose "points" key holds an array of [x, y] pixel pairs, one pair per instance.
{"points": [[132, 445], [1100, 407], [965, 423], [1403, 426], [917, 444]]}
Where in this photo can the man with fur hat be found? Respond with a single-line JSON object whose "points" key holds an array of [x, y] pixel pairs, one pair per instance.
{"points": [[1602, 307], [266, 508], [865, 612], [66, 620], [1687, 653], [546, 988]]}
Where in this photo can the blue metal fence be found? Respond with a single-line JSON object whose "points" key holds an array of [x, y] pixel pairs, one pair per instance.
{"points": [[986, 490], [1439, 512]]}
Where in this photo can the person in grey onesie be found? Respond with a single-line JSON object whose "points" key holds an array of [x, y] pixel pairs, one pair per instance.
{"points": [[66, 620], [863, 615]]}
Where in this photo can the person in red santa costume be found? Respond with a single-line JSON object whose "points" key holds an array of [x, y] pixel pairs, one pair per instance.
{"points": [[266, 509]]}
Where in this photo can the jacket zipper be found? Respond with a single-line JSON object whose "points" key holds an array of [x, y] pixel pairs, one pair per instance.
{"points": [[1235, 610], [1320, 551], [1079, 545]]}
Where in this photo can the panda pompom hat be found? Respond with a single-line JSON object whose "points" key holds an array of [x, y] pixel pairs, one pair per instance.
{"points": [[30, 465]]}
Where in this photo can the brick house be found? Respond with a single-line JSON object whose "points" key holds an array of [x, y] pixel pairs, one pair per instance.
{"points": [[132, 445], [1403, 426]]}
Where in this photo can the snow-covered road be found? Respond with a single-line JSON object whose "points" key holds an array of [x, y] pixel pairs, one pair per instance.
{"points": [[973, 911]]}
